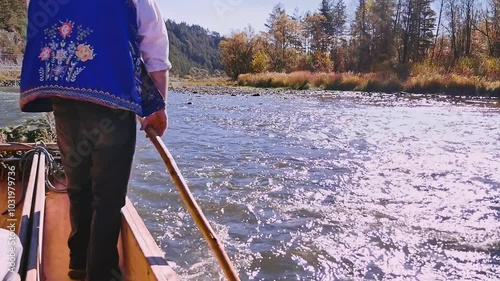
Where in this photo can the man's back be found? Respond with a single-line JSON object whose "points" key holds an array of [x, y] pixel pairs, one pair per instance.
{"points": [[90, 51]]}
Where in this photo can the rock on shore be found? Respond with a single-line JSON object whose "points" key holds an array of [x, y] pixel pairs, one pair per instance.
{"points": [[9, 83]]}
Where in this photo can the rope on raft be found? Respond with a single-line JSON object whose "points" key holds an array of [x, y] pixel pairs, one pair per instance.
{"points": [[52, 169]]}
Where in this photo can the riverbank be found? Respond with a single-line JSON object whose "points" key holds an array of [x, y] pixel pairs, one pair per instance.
{"points": [[257, 92], [9, 74], [231, 90], [432, 83], [260, 91], [9, 83]]}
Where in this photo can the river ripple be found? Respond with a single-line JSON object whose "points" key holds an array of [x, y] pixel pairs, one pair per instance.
{"points": [[324, 186]]}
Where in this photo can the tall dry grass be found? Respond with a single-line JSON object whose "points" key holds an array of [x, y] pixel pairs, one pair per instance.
{"points": [[296, 80], [420, 81]]}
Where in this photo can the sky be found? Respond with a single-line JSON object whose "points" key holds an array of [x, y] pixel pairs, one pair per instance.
{"points": [[225, 16]]}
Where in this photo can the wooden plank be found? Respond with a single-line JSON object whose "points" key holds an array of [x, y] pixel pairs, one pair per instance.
{"points": [[14, 146], [135, 263], [40, 207], [143, 259], [26, 215], [57, 228], [35, 249]]}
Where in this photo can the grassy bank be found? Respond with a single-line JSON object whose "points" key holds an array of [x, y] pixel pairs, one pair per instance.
{"points": [[450, 84]]}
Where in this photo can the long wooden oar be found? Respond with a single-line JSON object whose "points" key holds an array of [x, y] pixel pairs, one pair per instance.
{"points": [[192, 206], [13, 146]]}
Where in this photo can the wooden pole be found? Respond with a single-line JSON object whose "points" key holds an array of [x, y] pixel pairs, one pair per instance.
{"points": [[192, 206], [13, 147]]}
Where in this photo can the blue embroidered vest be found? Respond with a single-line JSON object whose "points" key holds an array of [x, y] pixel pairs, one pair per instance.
{"points": [[89, 51]]}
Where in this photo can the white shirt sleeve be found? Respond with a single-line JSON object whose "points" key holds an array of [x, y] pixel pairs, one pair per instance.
{"points": [[154, 38], [10, 252]]}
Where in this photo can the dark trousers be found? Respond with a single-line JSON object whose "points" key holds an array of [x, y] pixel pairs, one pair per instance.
{"points": [[97, 145]]}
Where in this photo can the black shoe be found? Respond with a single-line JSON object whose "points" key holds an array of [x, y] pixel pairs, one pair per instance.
{"points": [[77, 274]]}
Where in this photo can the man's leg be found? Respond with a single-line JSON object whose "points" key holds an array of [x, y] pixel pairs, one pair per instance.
{"points": [[111, 166], [76, 162]]}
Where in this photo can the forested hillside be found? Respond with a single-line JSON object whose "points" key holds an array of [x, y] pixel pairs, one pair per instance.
{"points": [[12, 27], [192, 46], [13, 15]]}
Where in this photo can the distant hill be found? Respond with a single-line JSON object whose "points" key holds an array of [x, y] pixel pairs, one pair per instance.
{"points": [[193, 46]]}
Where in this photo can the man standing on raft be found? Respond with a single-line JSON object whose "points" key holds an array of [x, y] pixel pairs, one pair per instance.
{"points": [[88, 62]]}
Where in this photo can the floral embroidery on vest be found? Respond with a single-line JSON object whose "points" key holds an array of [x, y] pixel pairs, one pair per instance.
{"points": [[65, 52]]}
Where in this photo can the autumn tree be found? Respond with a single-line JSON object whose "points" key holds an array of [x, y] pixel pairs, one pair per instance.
{"points": [[492, 28], [299, 41], [461, 20], [283, 34], [495, 28], [384, 35], [237, 54], [489, 27], [318, 38], [317, 58], [260, 59]]}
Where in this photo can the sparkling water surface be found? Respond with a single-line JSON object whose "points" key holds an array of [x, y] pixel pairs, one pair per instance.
{"points": [[325, 186]]}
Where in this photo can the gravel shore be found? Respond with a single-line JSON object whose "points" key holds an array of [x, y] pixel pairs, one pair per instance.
{"points": [[9, 83], [234, 91], [13, 85]]}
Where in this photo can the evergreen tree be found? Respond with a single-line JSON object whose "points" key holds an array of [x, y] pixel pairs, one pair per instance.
{"points": [[417, 23], [362, 34], [383, 37], [326, 10], [339, 20], [277, 12]]}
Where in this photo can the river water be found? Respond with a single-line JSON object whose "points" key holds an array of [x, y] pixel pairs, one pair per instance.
{"points": [[325, 186]]}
